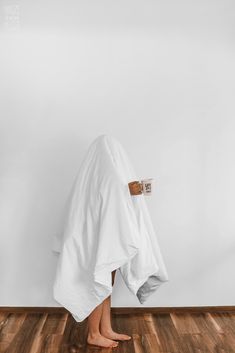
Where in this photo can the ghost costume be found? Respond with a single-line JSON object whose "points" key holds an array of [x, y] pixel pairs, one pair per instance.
{"points": [[106, 229]]}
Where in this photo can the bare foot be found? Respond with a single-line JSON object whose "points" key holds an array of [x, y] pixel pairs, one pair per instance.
{"points": [[101, 341], [115, 335]]}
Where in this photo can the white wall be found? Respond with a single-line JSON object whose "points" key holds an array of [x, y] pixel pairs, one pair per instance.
{"points": [[157, 75]]}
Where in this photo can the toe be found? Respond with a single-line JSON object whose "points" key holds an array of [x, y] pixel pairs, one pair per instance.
{"points": [[115, 344]]}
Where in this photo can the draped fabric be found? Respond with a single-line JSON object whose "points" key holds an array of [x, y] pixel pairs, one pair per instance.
{"points": [[106, 229]]}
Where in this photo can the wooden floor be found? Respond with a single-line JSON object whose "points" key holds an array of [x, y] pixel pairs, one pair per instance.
{"points": [[151, 333]]}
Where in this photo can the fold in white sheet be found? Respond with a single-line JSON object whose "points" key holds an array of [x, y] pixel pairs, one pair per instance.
{"points": [[106, 228]]}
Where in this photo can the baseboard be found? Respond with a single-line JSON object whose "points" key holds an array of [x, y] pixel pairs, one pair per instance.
{"points": [[124, 310]]}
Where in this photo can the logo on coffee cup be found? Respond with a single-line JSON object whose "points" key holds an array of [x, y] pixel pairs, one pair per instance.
{"points": [[147, 186]]}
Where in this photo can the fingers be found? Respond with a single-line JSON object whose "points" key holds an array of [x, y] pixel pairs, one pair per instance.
{"points": [[135, 187], [133, 182]]}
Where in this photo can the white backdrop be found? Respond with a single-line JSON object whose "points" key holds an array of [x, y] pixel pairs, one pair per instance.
{"points": [[157, 76]]}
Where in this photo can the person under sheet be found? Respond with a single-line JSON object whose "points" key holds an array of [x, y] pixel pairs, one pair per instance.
{"points": [[106, 229]]}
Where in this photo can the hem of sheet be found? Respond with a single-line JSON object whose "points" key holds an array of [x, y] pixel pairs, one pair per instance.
{"points": [[138, 289], [142, 284], [96, 299]]}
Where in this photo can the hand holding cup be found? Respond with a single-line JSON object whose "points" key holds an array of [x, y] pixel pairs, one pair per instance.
{"points": [[135, 187], [141, 187]]}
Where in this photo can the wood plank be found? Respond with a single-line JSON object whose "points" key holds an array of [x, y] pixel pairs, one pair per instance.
{"points": [[184, 323], [193, 343], [151, 342], [25, 335], [212, 333], [39, 338], [128, 324], [3, 320], [8, 329], [55, 324], [226, 343], [137, 343], [5, 341], [74, 337], [168, 336], [223, 322]]}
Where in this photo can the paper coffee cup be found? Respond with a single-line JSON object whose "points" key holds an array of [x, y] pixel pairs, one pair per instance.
{"points": [[147, 186]]}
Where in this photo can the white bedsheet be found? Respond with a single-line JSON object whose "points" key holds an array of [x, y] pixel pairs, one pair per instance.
{"points": [[106, 228]]}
